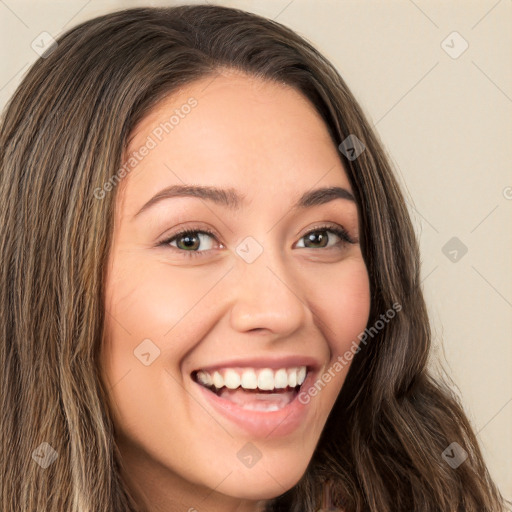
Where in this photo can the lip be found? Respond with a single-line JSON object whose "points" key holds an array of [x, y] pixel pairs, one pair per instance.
{"points": [[262, 424], [274, 363]]}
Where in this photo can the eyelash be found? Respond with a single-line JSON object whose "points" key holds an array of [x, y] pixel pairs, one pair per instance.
{"points": [[337, 230]]}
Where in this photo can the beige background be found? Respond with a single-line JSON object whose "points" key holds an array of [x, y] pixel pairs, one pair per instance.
{"points": [[447, 125]]}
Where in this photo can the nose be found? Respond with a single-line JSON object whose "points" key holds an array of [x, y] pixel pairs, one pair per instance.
{"points": [[267, 297]]}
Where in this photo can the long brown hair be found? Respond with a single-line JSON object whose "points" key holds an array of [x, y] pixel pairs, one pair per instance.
{"points": [[63, 136]]}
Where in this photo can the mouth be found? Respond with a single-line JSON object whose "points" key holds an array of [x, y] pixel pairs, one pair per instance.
{"points": [[254, 389]]}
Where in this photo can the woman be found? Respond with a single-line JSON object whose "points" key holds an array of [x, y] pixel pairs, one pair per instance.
{"points": [[261, 372]]}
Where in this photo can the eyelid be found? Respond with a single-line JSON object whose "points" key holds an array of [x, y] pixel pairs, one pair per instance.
{"points": [[337, 229]]}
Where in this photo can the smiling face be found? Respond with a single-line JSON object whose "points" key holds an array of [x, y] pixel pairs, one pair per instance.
{"points": [[200, 327]]}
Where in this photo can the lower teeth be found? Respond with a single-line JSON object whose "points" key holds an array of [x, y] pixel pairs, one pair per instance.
{"points": [[262, 406], [257, 400]]}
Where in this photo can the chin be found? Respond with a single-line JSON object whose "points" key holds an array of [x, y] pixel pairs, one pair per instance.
{"points": [[262, 483]]}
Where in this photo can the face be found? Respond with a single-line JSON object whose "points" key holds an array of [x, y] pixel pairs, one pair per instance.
{"points": [[221, 344]]}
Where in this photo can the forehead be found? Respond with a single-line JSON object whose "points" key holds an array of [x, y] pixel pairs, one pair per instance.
{"points": [[242, 132]]}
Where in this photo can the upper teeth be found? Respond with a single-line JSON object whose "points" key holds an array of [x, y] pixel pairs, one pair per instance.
{"points": [[248, 378]]}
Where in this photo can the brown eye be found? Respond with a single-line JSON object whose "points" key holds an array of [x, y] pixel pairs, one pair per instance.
{"points": [[189, 241], [319, 238]]}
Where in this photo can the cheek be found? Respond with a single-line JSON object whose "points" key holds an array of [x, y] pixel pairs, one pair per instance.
{"points": [[149, 319], [152, 299], [340, 300], [151, 302]]}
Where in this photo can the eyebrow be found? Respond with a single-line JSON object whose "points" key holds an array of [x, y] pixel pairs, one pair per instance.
{"points": [[231, 199]]}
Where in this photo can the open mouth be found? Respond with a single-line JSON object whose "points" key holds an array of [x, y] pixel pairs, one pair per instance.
{"points": [[256, 389]]}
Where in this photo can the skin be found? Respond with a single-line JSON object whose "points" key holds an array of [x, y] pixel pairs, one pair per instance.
{"points": [[267, 141]]}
